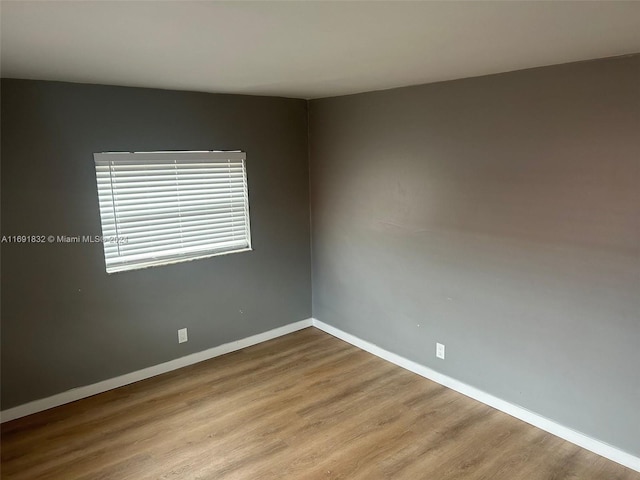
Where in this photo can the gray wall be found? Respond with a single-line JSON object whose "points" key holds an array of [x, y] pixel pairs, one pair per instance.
{"points": [[65, 322], [499, 216]]}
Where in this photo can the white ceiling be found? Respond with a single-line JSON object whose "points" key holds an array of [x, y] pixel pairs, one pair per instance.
{"points": [[305, 49]]}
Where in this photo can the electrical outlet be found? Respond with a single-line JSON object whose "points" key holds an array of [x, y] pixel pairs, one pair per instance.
{"points": [[440, 350], [182, 335]]}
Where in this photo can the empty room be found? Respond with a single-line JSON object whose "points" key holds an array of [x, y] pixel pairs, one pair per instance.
{"points": [[320, 240]]}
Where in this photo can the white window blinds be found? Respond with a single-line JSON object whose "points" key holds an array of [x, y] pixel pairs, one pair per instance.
{"points": [[167, 207]]}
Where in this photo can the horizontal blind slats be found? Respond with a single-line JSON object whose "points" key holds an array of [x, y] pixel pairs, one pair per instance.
{"points": [[169, 168], [125, 184], [167, 205], [177, 202], [163, 224], [184, 210], [180, 231], [150, 196], [136, 219], [171, 244], [186, 189]]}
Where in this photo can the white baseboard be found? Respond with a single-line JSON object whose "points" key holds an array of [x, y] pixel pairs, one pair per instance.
{"points": [[580, 439], [100, 387], [516, 411]]}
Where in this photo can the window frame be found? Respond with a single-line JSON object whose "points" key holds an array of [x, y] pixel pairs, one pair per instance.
{"points": [[121, 263]]}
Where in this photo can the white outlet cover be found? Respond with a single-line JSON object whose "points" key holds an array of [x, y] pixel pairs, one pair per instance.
{"points": [[182, 335], [440, 350]]}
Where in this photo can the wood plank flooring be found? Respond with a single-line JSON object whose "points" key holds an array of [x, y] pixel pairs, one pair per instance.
{"points": [[303, 406]]}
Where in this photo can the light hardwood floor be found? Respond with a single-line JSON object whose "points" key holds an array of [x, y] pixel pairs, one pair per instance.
{"points": [[303, 406]]}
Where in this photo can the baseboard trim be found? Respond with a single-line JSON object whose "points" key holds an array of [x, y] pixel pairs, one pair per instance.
{"points": [[577, 438], [110, 384], [580, 439]]}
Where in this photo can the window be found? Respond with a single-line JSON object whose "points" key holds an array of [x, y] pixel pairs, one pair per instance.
{"points": [[167, 207]]}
